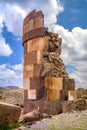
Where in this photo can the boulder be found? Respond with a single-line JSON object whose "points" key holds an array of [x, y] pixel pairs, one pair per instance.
{"points": [[71, 106], [32, 116], [9, 113]]}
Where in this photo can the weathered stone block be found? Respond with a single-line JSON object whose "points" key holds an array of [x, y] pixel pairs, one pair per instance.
{"points": [[28, 74], [26, 93], [71, 106], [53, 94], [38, 22], [38, 70], [64, 95], [28, 71], [33, 83], [30, 105], [39, 43], [33, 57], [71, 95], [9, 113], [26, 83], [28, 26], [52, 107], [36, 82], [68, 84], [53, 83], [34, 94], [43, 105]]}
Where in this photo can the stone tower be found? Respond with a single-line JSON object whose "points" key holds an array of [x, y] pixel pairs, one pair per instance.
{"points": [[45, 80]]}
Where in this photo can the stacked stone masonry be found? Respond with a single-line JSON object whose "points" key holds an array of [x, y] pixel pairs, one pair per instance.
{"points": [[44, 78]]}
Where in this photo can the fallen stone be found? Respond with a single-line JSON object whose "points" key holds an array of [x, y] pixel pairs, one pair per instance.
{"points": [[32, 116], [71, 106], [9, 113]]}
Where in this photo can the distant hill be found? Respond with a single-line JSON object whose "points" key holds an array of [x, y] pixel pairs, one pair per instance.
{"points": [[12, 87], [11, 95]]}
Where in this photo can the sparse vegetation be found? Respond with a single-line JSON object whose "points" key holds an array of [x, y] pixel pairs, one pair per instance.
{"points": [[10, 126]]}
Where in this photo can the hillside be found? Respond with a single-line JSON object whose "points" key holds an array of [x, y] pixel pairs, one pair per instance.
{"points": [[11, 95]]}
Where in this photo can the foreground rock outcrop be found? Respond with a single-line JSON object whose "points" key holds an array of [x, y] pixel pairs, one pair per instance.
{"points": [[9, 113]]}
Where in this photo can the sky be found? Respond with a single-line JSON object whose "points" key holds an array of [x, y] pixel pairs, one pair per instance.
{"points": [[68, 18]]}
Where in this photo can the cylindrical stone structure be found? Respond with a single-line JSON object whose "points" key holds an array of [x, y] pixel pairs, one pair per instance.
{"points": [[45, 79], [34, 42]]}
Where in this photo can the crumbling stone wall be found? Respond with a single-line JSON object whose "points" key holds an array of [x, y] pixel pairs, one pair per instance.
{"points": [[45, 78]]}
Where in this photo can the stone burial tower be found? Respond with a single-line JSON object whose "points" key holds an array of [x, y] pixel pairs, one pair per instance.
{"points": [[45, 80]]}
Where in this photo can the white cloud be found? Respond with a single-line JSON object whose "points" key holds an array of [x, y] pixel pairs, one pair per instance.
{"points": [[74, 51], [74, 44], [11, 75], [5, 49]]}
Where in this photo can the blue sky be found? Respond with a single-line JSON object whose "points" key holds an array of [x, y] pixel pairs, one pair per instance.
{"points": [[68, 18]]}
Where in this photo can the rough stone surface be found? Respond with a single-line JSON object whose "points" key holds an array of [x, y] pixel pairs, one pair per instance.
{"points": [[32, 116], [71, 106], [53, 83], [42, 50], [44, 106], [9, 113]]}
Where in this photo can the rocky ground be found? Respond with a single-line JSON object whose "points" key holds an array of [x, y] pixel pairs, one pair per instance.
{"points": [[64, 121]]}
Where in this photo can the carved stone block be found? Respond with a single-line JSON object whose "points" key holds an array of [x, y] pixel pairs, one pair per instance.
{"points": [[53, 94], [26, 83], [68, 84], [33, 94], [39, 43], [33, 57], [53, 83], [36, 82], [72, 95]]}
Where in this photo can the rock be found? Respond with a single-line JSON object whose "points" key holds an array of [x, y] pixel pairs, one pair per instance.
{"points": [[71, 106], [9, 113], [32, 116], [52, 107], [45, 115]]}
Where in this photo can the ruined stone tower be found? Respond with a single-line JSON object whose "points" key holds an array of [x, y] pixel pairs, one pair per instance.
{"points": [[45, 80]]}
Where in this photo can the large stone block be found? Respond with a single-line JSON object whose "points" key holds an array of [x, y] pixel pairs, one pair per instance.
{"points": [[28, 74], [33, 57], [33, 83], [71, 106], [68, 84], [52, 107], [71, 95], [43, 105], [33, 94], [53, 94], [38, 70], [39, 43], [33, 70], [28, 71], [28, 26], [36, 82], [53, 83], [26, 83], [64, 95], [9, 113], [38, 22], [30, 105]]}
